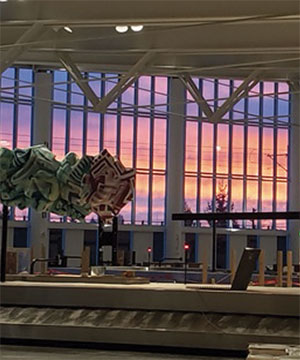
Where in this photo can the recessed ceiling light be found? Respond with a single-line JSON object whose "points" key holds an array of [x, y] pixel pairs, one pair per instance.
{"points": [[3, 0], [137, 28], [218, 148], [68, 29], [121, 28]]}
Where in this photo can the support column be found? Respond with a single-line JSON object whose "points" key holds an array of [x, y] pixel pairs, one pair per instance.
{"points": [[41, 130], [175, 168], [294, 172]]}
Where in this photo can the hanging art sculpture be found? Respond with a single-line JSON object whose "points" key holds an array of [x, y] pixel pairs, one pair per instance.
{"points": [[72, 187]]}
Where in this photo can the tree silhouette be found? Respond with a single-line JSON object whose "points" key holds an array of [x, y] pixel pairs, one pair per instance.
{"points": [[221, 205]]}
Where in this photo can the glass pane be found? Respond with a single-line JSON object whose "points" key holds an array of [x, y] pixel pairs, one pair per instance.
{"points": [[283, 102], [76, 132], [239, 107], [268, 102], [207, 148], [21, 215], [253, 103], [125, 214], [281, 203], [252, 201], [6, 124], [143, 143], [110, 133], [161, 91], [141, 198], [267, 202], [158, 199], [110, 81], [128, 97], [24, 126], [208, 92], [267, 152], [77, 97], [206, 197], [8, 83], [59, 133], [93, 133], [252, 151], [126, 146], [237, 200], [144, 93], [190, 193], [191, 146], [25, 84], [60, 86], [222, 149], [237, 150], [223, 94], [282, 152], [192, 108], [159, 144]]}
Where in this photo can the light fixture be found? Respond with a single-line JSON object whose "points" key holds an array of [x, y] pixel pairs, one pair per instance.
{"points": [[121, 28], [3, 0], [218, 148], [137, 28], [68, 29]]}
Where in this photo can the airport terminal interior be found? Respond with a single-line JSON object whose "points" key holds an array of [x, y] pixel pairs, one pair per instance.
{"points": [[150, 179]]}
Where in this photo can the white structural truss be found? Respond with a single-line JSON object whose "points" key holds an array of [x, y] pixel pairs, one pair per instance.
{"points": [[101, 105], [241, 92], [9, 57]]}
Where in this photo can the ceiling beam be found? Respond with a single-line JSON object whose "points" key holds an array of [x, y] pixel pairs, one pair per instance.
{"points": [[125, 82], [101, 105], [9, 57], [237, 95], [73, 70], [196, 95]]}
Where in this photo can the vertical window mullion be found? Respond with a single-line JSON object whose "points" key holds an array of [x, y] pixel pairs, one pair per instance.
{"points": [[245, 151], [68, 114], [230, 132], [199, 153], [260, 148], [135, 125], [119, 105], [101, 119], [275, 134], [16, 110], [215, 142], [84, 124], [151, 150]]}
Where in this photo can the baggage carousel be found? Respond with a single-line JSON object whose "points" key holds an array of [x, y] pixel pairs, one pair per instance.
{"points": [[154, 314]]}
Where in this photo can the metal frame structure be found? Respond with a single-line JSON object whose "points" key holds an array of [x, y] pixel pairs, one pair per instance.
{"points": [[213, 217], [230, 176]]}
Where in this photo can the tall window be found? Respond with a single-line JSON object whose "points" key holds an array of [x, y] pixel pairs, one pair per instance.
{"points": [[247, 161], [134, 128], [16, 107]]}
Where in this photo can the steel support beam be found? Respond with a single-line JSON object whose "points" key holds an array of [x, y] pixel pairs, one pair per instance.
{"points": [[10, 56], [196, 95], [73, 70], [126, 81], [236, 96], [101, 105]]}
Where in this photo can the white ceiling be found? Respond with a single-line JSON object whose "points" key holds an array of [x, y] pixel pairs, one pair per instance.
{"points": [[217, 38]]}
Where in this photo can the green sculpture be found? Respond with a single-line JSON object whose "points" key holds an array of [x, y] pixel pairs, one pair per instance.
{"points": [[74, 187]]}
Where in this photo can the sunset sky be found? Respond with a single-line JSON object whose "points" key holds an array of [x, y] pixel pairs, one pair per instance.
{"points": [[198, 156]]}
